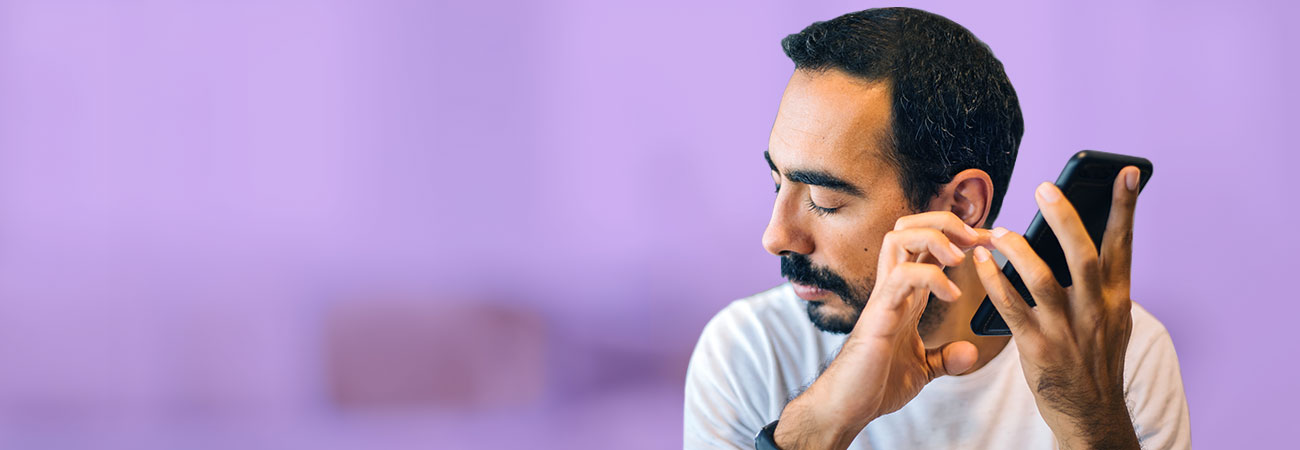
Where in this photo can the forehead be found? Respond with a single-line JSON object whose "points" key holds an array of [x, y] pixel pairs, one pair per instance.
{"points": [[832, 121]]}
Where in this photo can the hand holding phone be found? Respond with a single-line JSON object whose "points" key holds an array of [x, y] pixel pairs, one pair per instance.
{"points": [[1072, 345], [1086, 182]]}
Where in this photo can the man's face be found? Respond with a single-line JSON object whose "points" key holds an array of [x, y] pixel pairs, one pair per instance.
{"points": [[837, 195]]}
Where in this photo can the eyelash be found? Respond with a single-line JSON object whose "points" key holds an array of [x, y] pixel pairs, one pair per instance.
{"points": [[813, 206], [820, 210]]}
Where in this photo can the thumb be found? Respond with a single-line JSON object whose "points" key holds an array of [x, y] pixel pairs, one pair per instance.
{"points": [[953, 358]]}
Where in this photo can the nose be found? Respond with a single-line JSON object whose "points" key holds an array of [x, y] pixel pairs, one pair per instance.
{"points": [[786, 233]]}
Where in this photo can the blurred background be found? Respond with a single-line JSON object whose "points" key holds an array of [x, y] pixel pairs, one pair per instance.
{"points": [[412, 224]]}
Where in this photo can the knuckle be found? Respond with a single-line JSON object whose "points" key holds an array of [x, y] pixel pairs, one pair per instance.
{"points": [[902, 271], [891, 239], [1011, 239], [1040, 276], [946, 220], [932, 235], [890, 280], [1096, 317], [931, 275], [915, 237], [1120, 303], [1090, 263], [952, 219], [933, 271], [1016, 238], [902, 222]]}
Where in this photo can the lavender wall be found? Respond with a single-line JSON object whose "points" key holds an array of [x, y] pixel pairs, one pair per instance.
{"points": [[406, 224]]}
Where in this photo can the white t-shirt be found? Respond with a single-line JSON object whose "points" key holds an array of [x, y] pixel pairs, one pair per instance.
{"points": [[760, 351]]}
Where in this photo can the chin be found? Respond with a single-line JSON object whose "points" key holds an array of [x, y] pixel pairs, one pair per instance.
{"points": [[832, 317]]}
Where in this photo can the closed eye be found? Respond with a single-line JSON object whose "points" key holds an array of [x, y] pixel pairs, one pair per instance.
{"points": [[820, 210]]}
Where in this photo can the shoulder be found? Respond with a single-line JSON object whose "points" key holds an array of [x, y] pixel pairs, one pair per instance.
{"points": [[1146, 324], [1150, 349], [1154, 385], [731, 388], [758, 314], [739, 333], [761, 346], [1148, 334], [771, 327]]}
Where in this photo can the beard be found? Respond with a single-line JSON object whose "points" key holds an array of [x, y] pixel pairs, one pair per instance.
{"points": [[799, 269]]}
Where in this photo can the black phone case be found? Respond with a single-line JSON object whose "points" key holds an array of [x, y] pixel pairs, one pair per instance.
{"points": [[1087, 181]]}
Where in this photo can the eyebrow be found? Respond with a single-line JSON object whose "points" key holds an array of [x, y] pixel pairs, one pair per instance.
{"points": [[816, 178]]}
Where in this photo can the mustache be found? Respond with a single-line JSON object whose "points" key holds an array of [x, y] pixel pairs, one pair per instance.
{"points": [[799, 269]]}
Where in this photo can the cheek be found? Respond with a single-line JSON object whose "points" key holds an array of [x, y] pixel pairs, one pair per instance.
{"points": [[851, 241], [854, 251]]}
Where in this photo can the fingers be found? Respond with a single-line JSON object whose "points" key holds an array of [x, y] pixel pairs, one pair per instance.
{"points": [[1047, 292], [1117, 243], [1015, 312], [911, 260], [949, 224], [953, 358], [911, 276], [902, 245], [1080, 251]]}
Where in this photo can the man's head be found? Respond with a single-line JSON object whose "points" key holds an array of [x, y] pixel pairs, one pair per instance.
{"points": [[889, 112]]}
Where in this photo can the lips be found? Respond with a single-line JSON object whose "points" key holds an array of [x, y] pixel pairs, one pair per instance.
{"points": [[809, 293]]}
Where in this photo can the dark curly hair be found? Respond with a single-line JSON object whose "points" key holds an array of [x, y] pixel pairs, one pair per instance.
{"points": [[953, 106]]}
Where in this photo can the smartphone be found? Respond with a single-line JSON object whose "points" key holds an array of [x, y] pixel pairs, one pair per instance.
{"points": [[1088, 182]]}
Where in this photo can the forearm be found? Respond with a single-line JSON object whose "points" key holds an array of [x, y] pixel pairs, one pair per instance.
{"points": [[826, 415], [806, 425], [1109, 428]]}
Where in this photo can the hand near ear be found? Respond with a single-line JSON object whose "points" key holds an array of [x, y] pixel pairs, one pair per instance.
{"points": [[883, 363]]}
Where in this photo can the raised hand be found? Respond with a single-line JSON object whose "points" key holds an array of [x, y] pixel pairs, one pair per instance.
{"points": [[883, 363], [1072, 344]]}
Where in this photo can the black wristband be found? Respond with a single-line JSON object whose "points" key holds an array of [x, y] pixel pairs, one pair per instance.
{"points": [[766, 439]]}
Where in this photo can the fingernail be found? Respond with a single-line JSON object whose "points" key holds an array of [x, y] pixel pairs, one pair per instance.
{"points": [[956, 290], [971, 231], [1131, 179], [981, 254], [1048, 192], [999, 231], [955, 249]]}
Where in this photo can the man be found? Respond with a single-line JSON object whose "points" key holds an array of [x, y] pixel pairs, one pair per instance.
{"points": [[892, 148]]}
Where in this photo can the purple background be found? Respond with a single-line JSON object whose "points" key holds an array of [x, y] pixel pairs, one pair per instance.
{"points": [[407, 224]]}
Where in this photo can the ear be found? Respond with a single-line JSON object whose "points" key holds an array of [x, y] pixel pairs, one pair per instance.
{"points": [[969, 195]]}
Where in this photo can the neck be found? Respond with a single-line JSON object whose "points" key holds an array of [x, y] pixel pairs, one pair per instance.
{"points": [[956, 322]]}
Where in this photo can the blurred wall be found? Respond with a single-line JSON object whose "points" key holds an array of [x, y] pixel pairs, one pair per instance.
{"points": [[413, 224]]}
